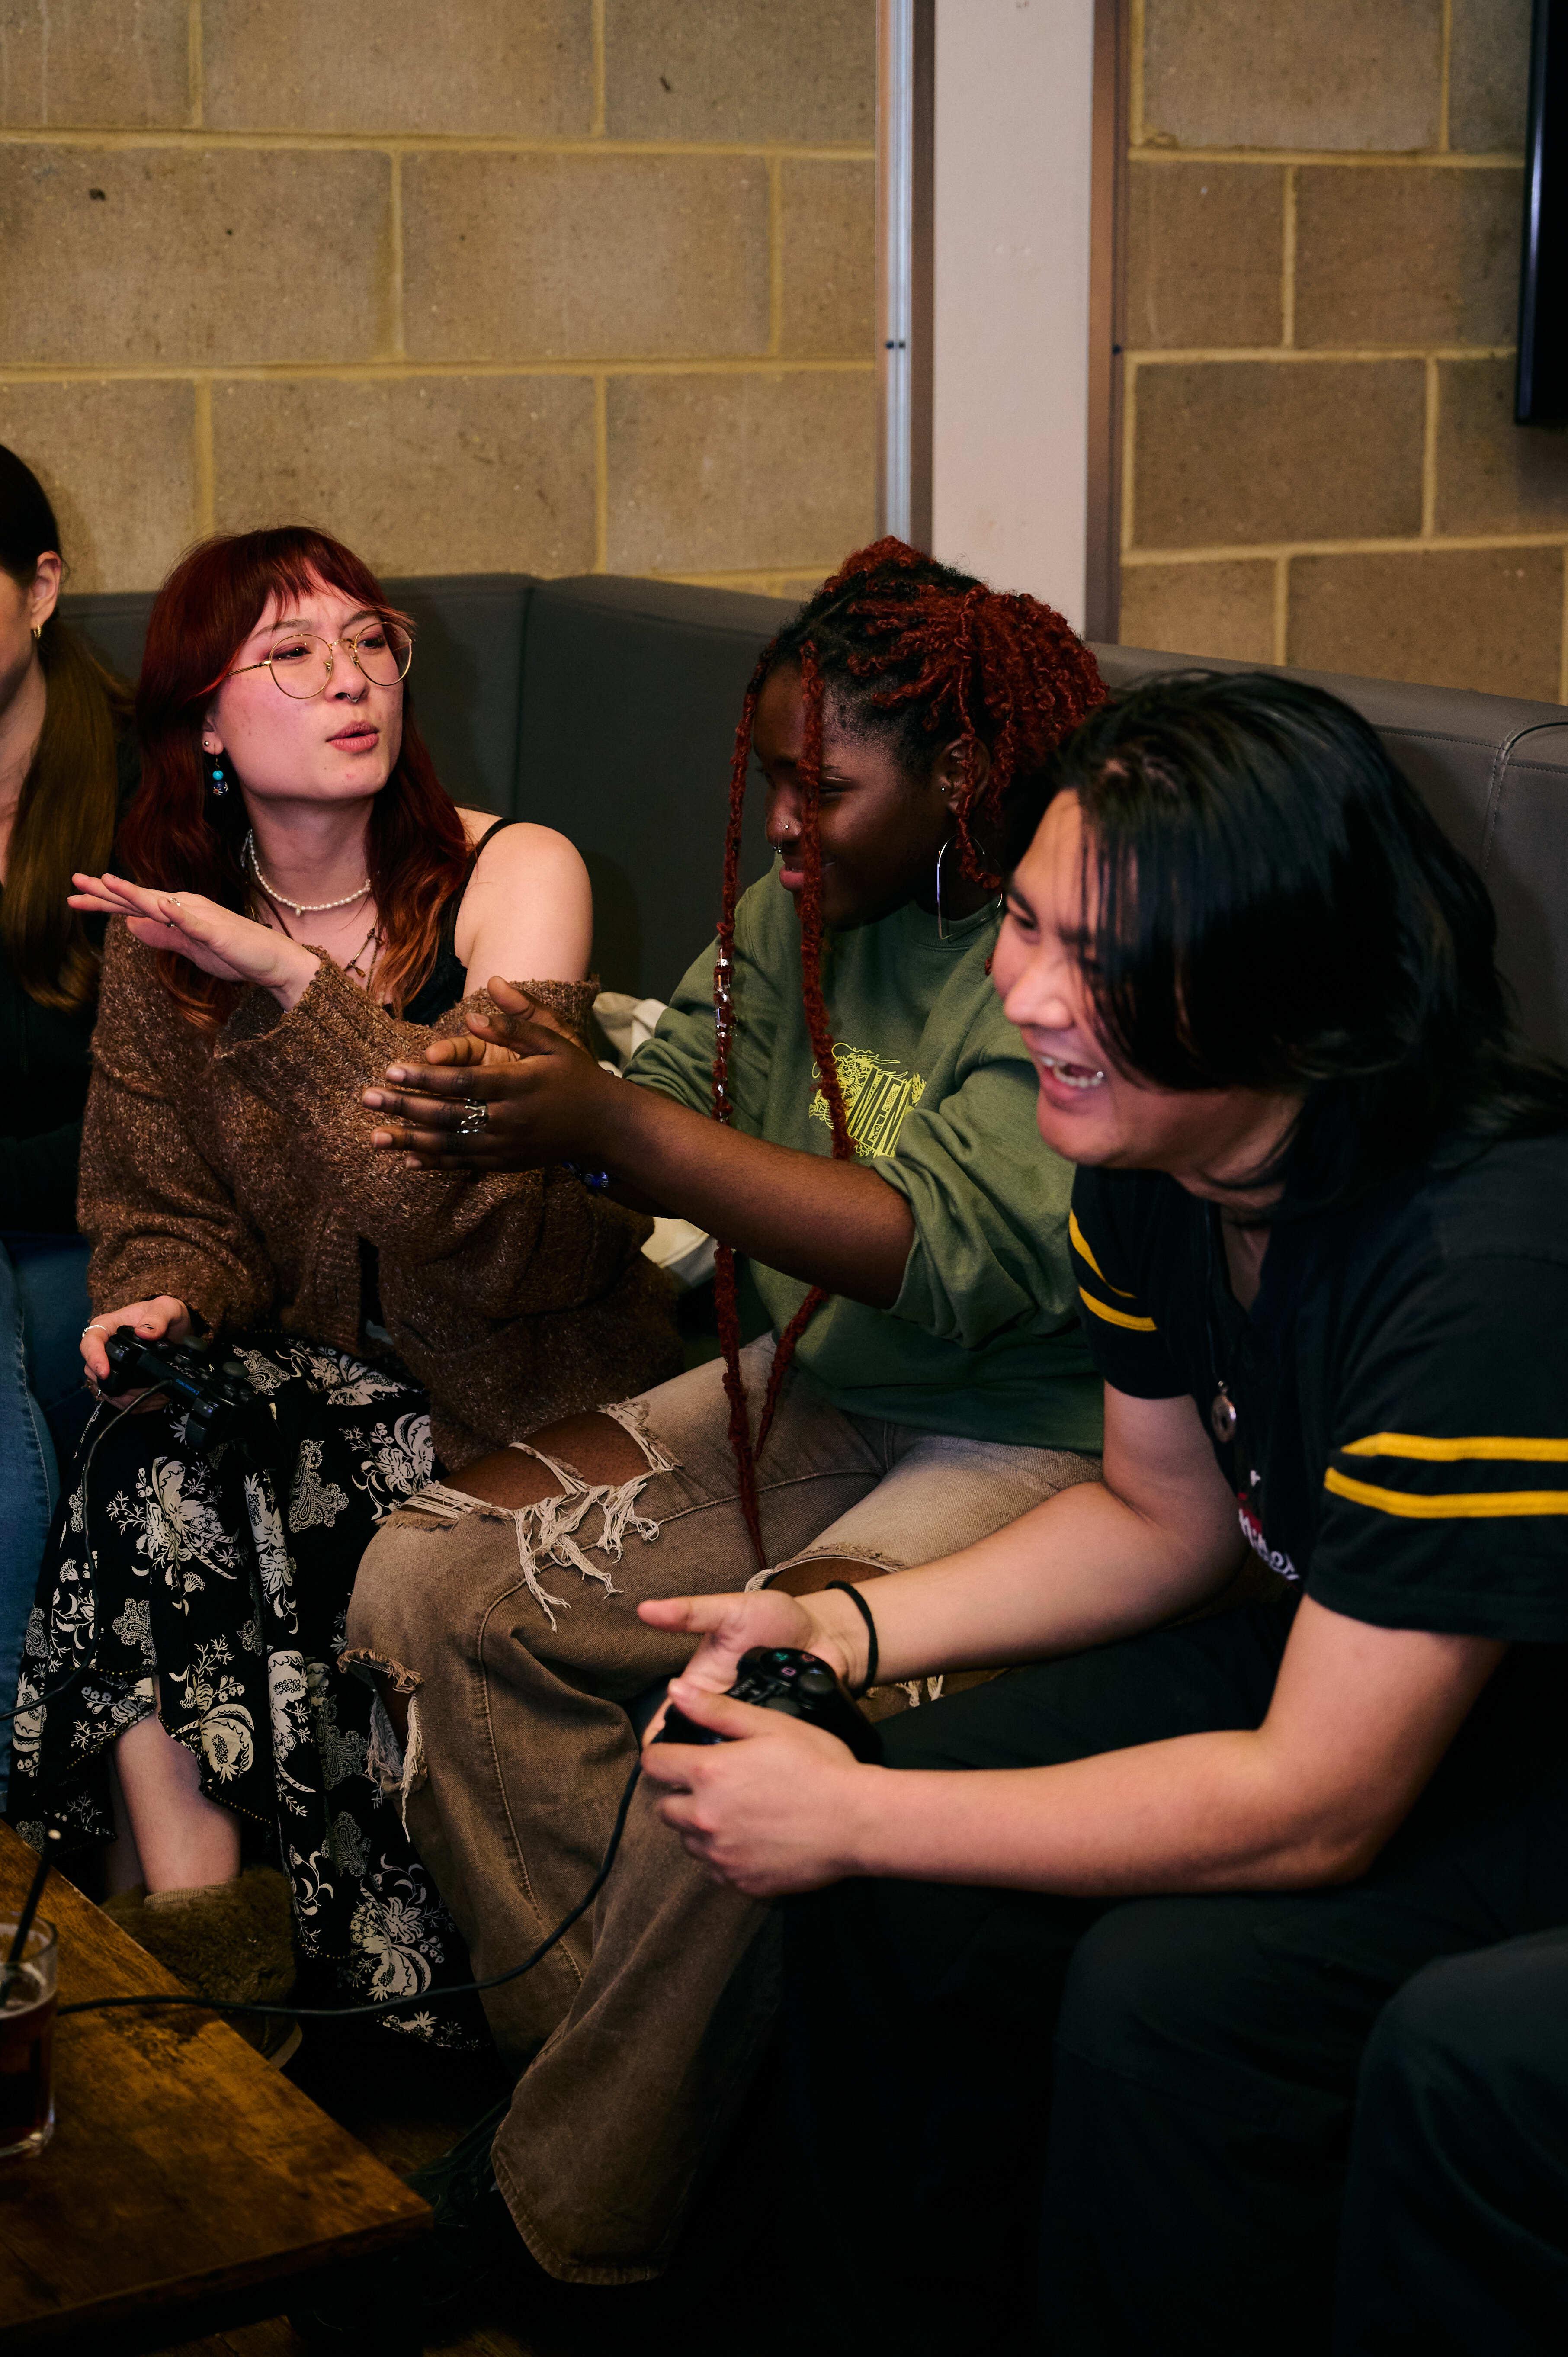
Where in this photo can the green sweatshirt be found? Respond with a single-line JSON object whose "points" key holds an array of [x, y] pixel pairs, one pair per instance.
{"points": [[983, 1338]]}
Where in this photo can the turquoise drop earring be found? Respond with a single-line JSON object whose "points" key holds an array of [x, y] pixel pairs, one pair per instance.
{"points": [[219, 782]]}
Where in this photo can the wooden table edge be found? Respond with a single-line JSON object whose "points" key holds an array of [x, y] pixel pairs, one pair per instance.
{"points": [[185, 2307], [153, 2314]]}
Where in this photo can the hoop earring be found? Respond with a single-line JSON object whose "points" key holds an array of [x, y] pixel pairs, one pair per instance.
{"points": [[37, 629], [942, 922], [219, 782]]}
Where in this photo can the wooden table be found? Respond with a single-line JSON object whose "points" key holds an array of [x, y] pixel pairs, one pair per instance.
{"points": [[188, 2186]]}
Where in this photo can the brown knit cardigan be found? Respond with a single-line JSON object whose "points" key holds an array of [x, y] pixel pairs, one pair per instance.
{"points": [[234, 1172]]}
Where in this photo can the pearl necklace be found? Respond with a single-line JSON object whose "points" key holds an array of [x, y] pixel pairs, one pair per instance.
{"points": [[300, 908]]}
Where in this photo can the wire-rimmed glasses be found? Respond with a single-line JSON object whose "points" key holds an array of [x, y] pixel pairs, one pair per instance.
{"points": [[301, 664]]}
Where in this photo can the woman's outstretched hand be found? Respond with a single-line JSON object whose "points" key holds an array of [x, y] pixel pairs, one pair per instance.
{"points": [[217, 940], [545, 1098]]}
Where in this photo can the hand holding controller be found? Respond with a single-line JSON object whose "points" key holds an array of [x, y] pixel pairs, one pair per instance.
{"points": [[217, 1398], [783, 1678]]}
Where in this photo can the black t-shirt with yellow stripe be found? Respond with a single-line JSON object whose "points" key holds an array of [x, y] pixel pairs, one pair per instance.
{"points": [[1401, 1385]]}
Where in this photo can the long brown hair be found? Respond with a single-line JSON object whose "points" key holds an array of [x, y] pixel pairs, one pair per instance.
{"points": [[65, 817], [918, 652], [177, 831]]}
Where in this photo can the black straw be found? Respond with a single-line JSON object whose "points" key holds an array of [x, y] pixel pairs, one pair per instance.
{"points": [[29, 1909]]}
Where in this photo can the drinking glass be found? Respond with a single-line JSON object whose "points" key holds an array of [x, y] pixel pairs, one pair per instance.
{"points": [[27, 1993]]}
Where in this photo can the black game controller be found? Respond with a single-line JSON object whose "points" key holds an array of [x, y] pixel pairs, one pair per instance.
{"points": [[779, 1678], [217, 1399]]}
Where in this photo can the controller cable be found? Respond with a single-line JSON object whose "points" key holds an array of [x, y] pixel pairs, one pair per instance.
{"points": [[416, 1997], [420, 1998]]}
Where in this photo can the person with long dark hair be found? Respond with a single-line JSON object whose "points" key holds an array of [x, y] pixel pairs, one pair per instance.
{"points": [[835, 1094], [301, 898], [66, 763], [1084, 1972]]}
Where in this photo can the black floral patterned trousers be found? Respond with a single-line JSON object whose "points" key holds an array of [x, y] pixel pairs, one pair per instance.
{"points": [[210, 1584]]}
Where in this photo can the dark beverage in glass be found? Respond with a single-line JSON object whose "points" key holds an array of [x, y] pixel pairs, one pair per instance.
{"points": [[27, 1993]]}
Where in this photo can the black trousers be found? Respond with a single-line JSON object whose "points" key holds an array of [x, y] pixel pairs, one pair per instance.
{"points": [[1023, 2122], [1455, 2241]]}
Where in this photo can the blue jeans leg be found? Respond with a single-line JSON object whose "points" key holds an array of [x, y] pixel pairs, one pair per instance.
{"points": [[29, 1484], [51, 1279]]}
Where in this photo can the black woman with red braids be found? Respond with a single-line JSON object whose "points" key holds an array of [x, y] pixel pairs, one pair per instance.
{"points": [[835, 1093]]}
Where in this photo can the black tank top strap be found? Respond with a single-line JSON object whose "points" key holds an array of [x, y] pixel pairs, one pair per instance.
{"points": [[442, 985], [489, 831]]}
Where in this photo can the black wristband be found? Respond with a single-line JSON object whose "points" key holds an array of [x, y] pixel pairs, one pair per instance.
{"points": [[863, 1608]]}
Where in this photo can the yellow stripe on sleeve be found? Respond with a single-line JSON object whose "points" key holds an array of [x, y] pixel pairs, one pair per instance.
{"points": [[1447, 1452], [1460, 1506], [1117, 1317], [1080, 1246]]}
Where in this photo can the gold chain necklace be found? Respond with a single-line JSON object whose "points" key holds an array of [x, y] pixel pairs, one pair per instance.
{"points": [[352, 965]]}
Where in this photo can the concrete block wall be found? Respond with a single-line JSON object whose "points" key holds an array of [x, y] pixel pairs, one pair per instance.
{"points": [[1321, 465], [549, 285]]}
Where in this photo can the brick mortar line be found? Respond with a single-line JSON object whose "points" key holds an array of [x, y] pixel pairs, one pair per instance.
{"points": [[194, 80], [1221, 355], [1130, 372], [1270, 551], [108, 140], [370, 371], [1413, 159], [1138, 36], [749, 573], [601, 70], [396, 260], [1430, 425], [1562, 657], [1281, 587], [204, 460], [774, 256], [751, 578], [1287, 261], [601, 474], [1444, 72]]}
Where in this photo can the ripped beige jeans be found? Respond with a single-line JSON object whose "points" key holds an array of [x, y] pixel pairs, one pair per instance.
{"points": [[515, 1636]]}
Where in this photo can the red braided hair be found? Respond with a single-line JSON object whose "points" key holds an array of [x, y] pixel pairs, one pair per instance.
{"points": [[925, 655]]}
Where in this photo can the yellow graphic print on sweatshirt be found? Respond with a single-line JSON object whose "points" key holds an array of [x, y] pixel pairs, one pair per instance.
{"points": [[877, 1093]]}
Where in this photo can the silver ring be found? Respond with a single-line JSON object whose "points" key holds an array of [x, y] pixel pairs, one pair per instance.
{"points": [[95, 1329], [476, 1115]]}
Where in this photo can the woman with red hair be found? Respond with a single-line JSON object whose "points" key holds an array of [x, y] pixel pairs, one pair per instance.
{"points": [[307, 899]]}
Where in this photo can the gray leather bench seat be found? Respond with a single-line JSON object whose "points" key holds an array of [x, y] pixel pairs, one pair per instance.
{"points": [[1494, 771], [607, 707]]}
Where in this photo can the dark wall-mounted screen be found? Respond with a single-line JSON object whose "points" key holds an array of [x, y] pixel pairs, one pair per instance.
{"points": [[1541, 397]]}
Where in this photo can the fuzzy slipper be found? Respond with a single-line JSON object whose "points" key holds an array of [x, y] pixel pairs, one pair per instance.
{"points": [[232, 1941]]}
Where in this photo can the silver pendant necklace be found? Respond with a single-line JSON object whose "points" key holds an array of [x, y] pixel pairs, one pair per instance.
{"points": [[1222, 1416], [300, 908]]}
